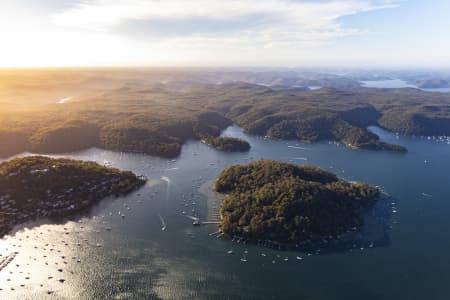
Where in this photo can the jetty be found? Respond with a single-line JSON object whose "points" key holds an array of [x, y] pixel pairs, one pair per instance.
{"points": [[209, 222], [5, 261], [197, 222]]}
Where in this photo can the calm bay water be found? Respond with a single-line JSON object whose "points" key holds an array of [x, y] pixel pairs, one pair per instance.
{"points": [[398, 83], [104, 256]]}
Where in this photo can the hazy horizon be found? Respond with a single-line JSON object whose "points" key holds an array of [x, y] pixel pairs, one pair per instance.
{"points": [[396, 34], [341, 71], [224, 149]]}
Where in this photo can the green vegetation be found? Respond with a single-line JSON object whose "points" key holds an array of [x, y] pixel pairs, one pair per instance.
{"points": [[36, 186], [131, 110], [270, 200], [341, 115], [324, 114], [227, 144]]}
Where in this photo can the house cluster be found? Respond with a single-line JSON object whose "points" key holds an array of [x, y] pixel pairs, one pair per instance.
{"points": [[16, 206]]}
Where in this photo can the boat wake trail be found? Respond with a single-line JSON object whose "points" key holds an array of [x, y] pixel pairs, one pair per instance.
{"points": [[296, 147], [163, 223], [191, 217]]}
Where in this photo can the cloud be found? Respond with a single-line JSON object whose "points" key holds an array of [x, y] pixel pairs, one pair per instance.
{"points": [[177, 32], [218, 23]]}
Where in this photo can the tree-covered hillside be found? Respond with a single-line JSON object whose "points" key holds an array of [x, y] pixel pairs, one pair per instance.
{"points": [[227, 144], [37, 186], [157, 111], [271, 200]]}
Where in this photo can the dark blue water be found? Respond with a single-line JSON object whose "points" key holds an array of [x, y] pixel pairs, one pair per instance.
{"points": [[104, 256]]}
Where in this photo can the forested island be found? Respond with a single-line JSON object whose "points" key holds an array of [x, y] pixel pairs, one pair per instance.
{"points": [[132, 111], [37, 187], [276, 201], [227, 144]]}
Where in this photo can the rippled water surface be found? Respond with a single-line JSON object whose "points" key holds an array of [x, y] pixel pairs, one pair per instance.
{"points": [[154, 252]]}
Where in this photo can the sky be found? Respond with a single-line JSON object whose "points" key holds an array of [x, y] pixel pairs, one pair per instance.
{"points": [[285, 33]]}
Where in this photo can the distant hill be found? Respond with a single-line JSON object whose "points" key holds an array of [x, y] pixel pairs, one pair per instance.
{"points": [[432, 83], [156, 112]]}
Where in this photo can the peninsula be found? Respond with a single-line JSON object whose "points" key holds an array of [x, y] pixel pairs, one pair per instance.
{"points": [[134, 112], [41, 187]]}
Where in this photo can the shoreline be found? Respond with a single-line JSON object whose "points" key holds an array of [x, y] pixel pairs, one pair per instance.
{"points": [[37, 187]]}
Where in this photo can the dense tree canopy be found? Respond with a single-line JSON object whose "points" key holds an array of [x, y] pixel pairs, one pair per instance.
{"points": [[133, 111], [289, 203], [227, 144], [38, 186]]}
